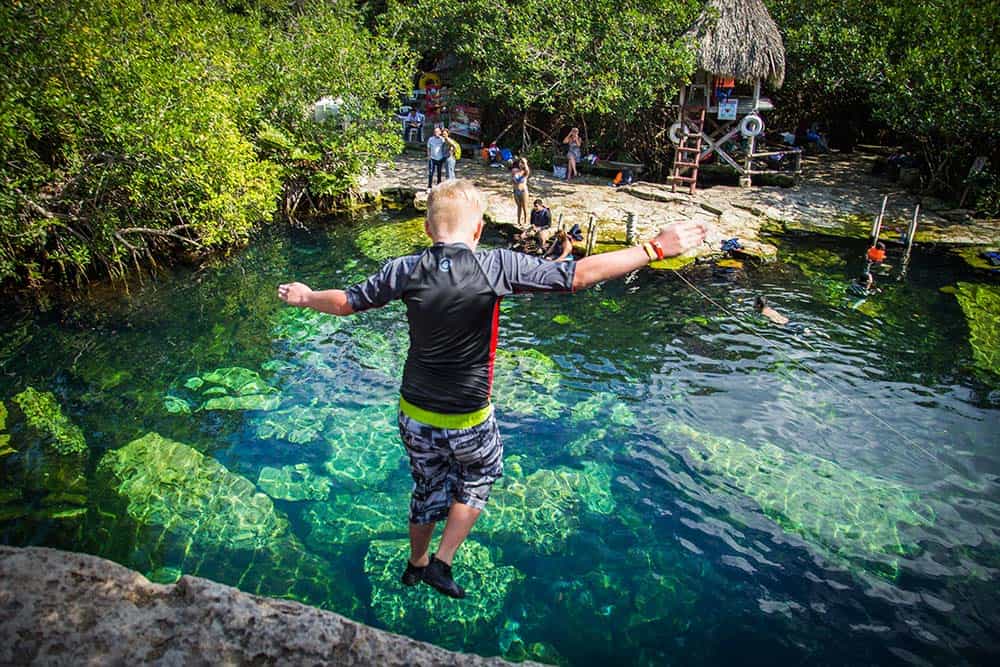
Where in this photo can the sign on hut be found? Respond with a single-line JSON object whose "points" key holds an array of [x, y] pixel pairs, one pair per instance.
{"points": [[720, 111]]}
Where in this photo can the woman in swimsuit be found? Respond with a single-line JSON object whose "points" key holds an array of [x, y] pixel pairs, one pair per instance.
{"points": [[573, 144], [519, 174]]}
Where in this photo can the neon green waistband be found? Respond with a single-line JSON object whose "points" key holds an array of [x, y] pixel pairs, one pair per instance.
{"points": [[442, 420]]}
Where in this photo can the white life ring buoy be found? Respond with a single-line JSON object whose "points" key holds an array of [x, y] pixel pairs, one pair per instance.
{"points": [[675, 133], [752, 125]]}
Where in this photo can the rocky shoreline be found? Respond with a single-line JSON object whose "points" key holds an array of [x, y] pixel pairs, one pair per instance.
{"points": [[62, 608], [836, 196]]}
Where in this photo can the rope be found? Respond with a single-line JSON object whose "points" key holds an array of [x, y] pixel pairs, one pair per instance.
{"points": [[832, 386]]}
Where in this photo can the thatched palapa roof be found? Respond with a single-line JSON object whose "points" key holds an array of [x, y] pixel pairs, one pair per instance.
{"points": [[738, 38]]}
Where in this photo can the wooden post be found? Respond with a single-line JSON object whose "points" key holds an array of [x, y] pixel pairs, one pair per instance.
{"points": [[877, 226], [591, 235], [910, 233]]}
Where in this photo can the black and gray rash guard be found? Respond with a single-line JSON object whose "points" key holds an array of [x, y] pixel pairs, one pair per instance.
{"points": [[452, 298]]}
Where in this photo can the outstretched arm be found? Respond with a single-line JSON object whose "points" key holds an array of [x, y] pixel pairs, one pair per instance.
{"points": [[332, 301], [674, 239]]}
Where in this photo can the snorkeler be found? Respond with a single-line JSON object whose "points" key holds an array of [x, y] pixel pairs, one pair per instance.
{"points": [[761, 305], [864, 285], [876, 254], [764, 309], [452, 295]]}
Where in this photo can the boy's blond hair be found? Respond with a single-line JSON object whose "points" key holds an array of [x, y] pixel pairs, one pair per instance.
{"points": [[453, 207]]}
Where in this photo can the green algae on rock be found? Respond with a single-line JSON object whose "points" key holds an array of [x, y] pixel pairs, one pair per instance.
{"points": [[394, 239], [524, 381], [381, 352], [43, 414], [171, 506], [293, 482], [364, 446], [298, 424], [412, 610], [170, 484], [346, 519], [981, 305], [848, 515], [231, 388], [5, 448], [304, 324], [603, 405], [543, 509]]}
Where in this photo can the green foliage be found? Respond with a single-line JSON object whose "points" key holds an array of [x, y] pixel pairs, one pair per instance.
{"points": [[325, 52], [133, 130], [604, 57], [924, 70], [43, 414]]}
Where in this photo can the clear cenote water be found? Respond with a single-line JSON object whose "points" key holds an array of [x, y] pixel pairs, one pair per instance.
{"points": [[678, 491]]}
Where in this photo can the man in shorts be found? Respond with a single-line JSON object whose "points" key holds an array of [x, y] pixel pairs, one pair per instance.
{"points": [[452, 295]]}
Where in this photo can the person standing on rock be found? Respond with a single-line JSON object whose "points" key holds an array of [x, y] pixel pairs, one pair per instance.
{"points": [[437, 152], [573, 145], [452, 295], [454, 152], [519, 174]]}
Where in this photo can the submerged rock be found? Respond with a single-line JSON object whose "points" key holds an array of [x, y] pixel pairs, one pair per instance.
{"points": [[349, 519], [47, 454], [298, 424], [394, 239], [422, 610], [232, 388], [43, 415], [5, 448], [981, 305], [293, 482], [848, 515], [524, 381], [168, 505], [364, 446], [543, 509]]}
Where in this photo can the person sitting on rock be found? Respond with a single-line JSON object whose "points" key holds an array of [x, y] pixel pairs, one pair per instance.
{"points": [[541, 222]]}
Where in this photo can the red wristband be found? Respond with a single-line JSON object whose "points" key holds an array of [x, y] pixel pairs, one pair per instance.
{"points": [[657, 247]]}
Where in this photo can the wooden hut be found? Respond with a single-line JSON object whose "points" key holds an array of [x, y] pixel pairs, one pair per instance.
{"points": [[738, 47]]}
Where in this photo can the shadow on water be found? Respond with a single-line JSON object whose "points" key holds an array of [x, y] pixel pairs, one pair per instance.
{"points": [[683, 484]]}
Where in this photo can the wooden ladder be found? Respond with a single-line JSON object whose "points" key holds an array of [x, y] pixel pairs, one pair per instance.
{"points": [[688, 151]]}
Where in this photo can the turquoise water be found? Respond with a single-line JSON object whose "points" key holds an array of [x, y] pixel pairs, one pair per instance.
{"points": [[684, 486]]}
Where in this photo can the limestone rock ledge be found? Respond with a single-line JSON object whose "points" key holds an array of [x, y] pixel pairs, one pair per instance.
{"points": [[62, 608]]}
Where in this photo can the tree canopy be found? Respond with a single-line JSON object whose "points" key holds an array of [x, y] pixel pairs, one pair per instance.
{"points": [[127, 126]]}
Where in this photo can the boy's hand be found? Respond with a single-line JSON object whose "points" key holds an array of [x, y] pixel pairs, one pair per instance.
{"points": [[681, 236], [294, 294]]}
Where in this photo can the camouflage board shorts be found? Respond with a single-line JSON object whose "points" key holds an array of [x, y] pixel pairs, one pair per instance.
{"points": [[450, 465]]}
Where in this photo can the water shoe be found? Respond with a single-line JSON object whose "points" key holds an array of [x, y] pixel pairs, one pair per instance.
{"points": [[437, 574]]}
